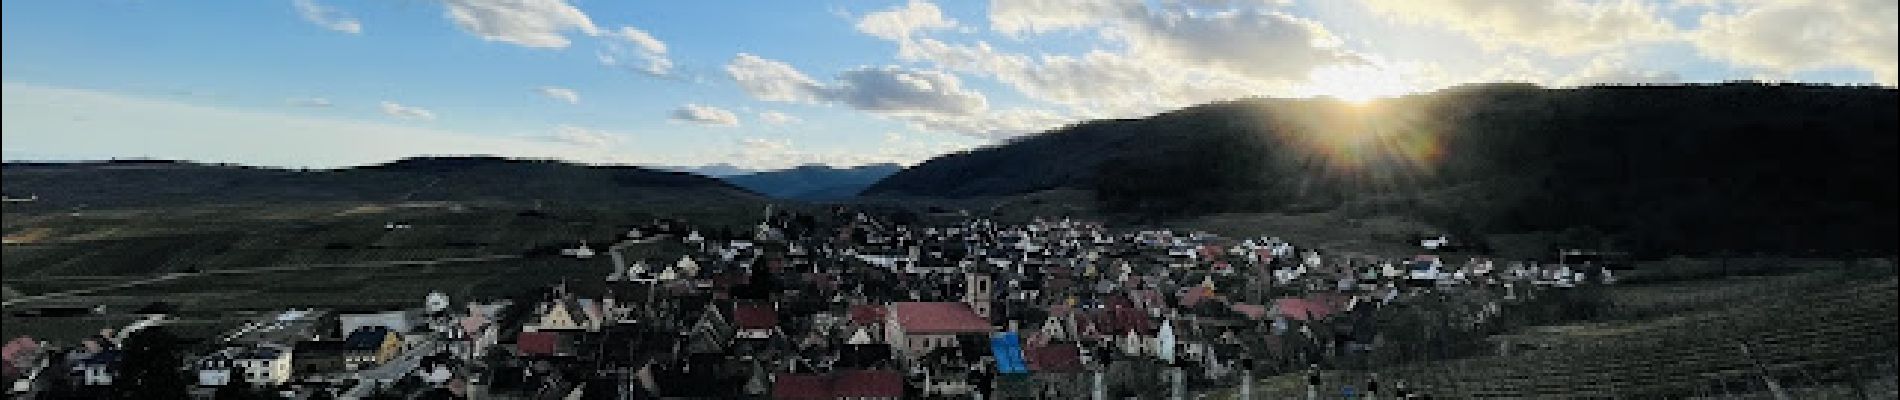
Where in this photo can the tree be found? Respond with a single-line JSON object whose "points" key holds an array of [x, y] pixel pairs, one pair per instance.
{"points": [[152, 367]]}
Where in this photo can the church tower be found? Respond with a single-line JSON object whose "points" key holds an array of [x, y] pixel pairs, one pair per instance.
{"points": [[977, 292]]}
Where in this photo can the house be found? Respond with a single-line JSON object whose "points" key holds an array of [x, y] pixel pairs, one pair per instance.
{"points": [[18, 356], [869, 318], [1057, 370], [567, 314], [914, 328], [538, 344], [319, 356], [369, 346], [94, 366], [1301, 309], [260, 365], [471, 335], [755, 321], [711, 332], [856, 384]]}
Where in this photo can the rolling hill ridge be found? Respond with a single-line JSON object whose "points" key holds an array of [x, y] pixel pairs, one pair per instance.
{"points": [[1738, 167]]}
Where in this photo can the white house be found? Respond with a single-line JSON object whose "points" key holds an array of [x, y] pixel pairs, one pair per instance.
{"points": [[262, 365]]}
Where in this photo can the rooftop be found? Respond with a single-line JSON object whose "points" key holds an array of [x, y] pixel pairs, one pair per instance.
{"points": [[939, 317]]}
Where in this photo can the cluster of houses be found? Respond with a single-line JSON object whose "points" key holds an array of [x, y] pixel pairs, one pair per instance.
{"points": [[861, 307], [293, 353]]}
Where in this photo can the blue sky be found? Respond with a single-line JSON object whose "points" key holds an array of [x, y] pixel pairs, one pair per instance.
{"points": [[767, 84]]}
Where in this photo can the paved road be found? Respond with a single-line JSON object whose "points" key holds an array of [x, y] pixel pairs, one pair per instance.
{"points": [[390, 371], [248, 271]]}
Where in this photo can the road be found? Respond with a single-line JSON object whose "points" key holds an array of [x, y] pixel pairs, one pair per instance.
{"points": [[389, 372], [248, 271]]}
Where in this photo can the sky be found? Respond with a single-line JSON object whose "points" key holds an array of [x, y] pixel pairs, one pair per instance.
{"points": [[773, 84]]}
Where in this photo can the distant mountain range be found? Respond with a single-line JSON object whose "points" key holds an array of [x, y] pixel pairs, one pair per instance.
{"points": [[145, 183], [719, 170], [814, 182], [1731, 168]]}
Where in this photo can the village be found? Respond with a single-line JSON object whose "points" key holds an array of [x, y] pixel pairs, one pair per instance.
{"points": [[871, 308]]}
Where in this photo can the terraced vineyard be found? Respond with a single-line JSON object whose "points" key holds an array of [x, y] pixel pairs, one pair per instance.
{"points": [[1819, 334], [1799, 339]]}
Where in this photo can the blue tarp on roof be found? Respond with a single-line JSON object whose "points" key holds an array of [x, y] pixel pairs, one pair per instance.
{"points": [[1009, 353]]}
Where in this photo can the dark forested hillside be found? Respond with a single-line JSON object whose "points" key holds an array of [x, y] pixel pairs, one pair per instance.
{"points": [[167, 183], [1679, 169], [814, 182]]}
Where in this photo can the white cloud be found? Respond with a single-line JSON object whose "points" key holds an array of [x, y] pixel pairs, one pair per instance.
{"points": [[1257, 44], [528, 23], [326, 17], [705, 115], [1153, 59], [1017, 17], [896, 90], [889, 90], [85, 124], [772, 80], [1797, 35], [644, 47], [562, 94], [394, 109], [315, 102], [900, 22], [640, 38], [1561, 27], [779, 118]]}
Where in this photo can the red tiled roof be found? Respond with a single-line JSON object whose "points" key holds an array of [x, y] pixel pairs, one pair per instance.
{"points": [[868, 383], [866, 314], [752, 316], [843, 384], [1054, 358], [1120, 320], [1194, 295], [20, 345], [799, 386], [536, 343], [1302, 309], [939, 317]]}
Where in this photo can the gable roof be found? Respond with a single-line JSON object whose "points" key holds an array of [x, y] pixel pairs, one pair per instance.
{"points": [[754, 316], [367, 338], [1299, 309], [865, 314], [939, 317], [17, 347], [536, 343], [868, 383], [1055, 358]]}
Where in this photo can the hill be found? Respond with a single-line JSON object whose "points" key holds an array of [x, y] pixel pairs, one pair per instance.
{"points": [[149, 183], [1738, 167], [814, 182]]}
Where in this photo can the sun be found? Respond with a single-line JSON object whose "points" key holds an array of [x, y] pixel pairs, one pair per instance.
{"points": [[1356, 84]]}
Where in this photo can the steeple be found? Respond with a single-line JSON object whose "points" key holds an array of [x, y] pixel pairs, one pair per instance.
{"points": [[977, 292]]}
